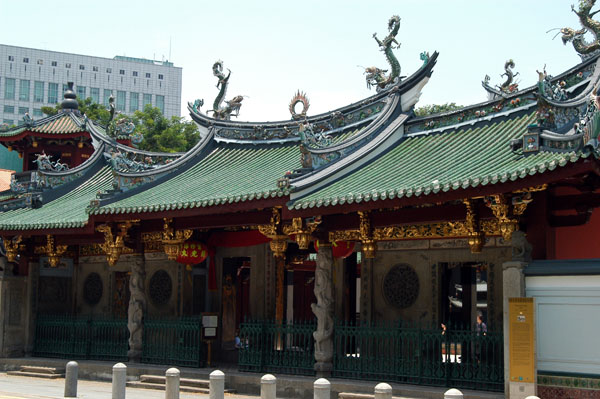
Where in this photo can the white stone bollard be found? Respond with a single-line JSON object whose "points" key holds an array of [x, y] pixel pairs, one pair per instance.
{"points": [[172, 383], [119, 381], [453, 393], [72, 370], [532, 397], [322, 389], [383, 391], [268, 386], [217, 385]]}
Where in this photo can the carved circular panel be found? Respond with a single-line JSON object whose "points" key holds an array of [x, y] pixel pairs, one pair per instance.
{"points": [[161, 287], [401, 286], [92, 289]]}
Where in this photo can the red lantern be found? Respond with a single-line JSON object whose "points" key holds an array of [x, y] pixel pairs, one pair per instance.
{"points": [[340, 249], [192, 253]]}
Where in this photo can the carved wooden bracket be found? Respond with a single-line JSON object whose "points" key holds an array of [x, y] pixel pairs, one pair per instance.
{"points": [[302, 231], [173, 239], [507, 211], [53, 252], [12, 247], [476, 237], [114, 246]]}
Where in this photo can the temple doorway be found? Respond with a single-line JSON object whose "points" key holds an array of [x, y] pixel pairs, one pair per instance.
{"points": [[464, 293]]}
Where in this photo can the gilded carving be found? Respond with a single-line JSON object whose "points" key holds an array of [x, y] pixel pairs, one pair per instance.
{"points": [[54, 252], [113, 247], [12, 247], [302, 231], [272, 230], [366, 235], [172, 239], [476, 237]]}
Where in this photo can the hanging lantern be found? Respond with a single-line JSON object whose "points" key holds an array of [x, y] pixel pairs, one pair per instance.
{"points": [[339, 249], [192, 252]]}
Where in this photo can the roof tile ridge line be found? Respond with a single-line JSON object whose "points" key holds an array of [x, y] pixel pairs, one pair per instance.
{"points": [[95, 155], [47, 119], [322, 173], [472, 122], [375, 124], [516, 94], [190, 155], [353, 161], [143, 187]]}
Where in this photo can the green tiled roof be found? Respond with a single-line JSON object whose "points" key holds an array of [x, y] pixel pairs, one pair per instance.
{"points": [[68, 211], [226, 175], [60, 124], [424, 164]]}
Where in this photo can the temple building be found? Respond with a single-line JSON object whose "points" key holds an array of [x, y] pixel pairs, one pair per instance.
{"points": [[366, 242]]}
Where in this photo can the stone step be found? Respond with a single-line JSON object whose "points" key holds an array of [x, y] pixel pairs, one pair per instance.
{"points": [[33, 374], [42, 369], [161, 387]]}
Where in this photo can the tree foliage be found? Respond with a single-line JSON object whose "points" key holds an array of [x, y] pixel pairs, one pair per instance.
{"points": [[432, 109], [160, 134]]}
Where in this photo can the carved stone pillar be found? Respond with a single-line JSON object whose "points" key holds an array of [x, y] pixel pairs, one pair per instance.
{"points": [[366, 293], [137, 308], [323, 309]]}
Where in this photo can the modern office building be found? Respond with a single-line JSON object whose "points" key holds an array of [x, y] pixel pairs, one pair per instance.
{"points": [[32, 78]]}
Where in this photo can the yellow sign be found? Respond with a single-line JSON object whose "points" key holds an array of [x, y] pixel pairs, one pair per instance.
{"points": [[521, 340]]}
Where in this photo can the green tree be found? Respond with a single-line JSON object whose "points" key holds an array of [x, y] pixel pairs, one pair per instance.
{"points": [[96, 112], [432, 109]]}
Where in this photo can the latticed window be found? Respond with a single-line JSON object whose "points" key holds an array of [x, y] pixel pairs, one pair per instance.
{"points": [[24, 90], [52, 93], [121, 101], [9, 89], [38, 92]]}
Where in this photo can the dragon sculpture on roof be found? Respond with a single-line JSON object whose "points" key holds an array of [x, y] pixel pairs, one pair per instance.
{"points": [[233, 106], [585, 15], [509, 86], [376, 76]]}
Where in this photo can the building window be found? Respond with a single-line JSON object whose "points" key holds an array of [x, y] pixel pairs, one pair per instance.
{"points": [[11, 57], [24, 90], [9, 88], [23, 110], [135, 73], [82, 67], [121, 101], [95, 94], [9, 109], [9, 122], [54, 63], [95, 69], [148, 75], [68, 65], [37, 112], [134, 102], [81, 92], [147, 100], [121, 72], [40, 62], [52, 93], [26, 60], [65, 87], [108, 70], [160, 76], [160, 103], [106, 96], [38, 92]]}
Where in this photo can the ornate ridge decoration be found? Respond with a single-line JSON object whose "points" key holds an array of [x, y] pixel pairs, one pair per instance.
{"points": [[12, 247], [172, 239], [476, 237], [113, 247], [589, 25], [299, 97], [273, 230], [233, 105], [507, 213], [53, 252], [375, 76], [43, 162], [302, 231], [153, 242]]}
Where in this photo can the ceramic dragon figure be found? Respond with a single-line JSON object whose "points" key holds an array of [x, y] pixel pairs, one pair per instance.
{"points": [[233, 106], [376, 76], [508, 86], [589, 25]]}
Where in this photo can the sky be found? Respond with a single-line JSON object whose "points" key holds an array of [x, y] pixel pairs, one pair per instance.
{"points": [[275, 48]]}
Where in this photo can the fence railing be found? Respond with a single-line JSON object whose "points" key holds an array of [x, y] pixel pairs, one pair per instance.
{"points": [[270, 346], [81, 337], [177, 342], [417, 354]]}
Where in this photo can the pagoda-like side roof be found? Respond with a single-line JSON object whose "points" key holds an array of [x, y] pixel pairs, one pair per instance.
{"points": [[64, 212], [63, 124]]}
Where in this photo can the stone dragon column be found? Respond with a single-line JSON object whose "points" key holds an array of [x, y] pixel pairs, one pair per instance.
{"points": [[324, 311], [137, 308]]}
